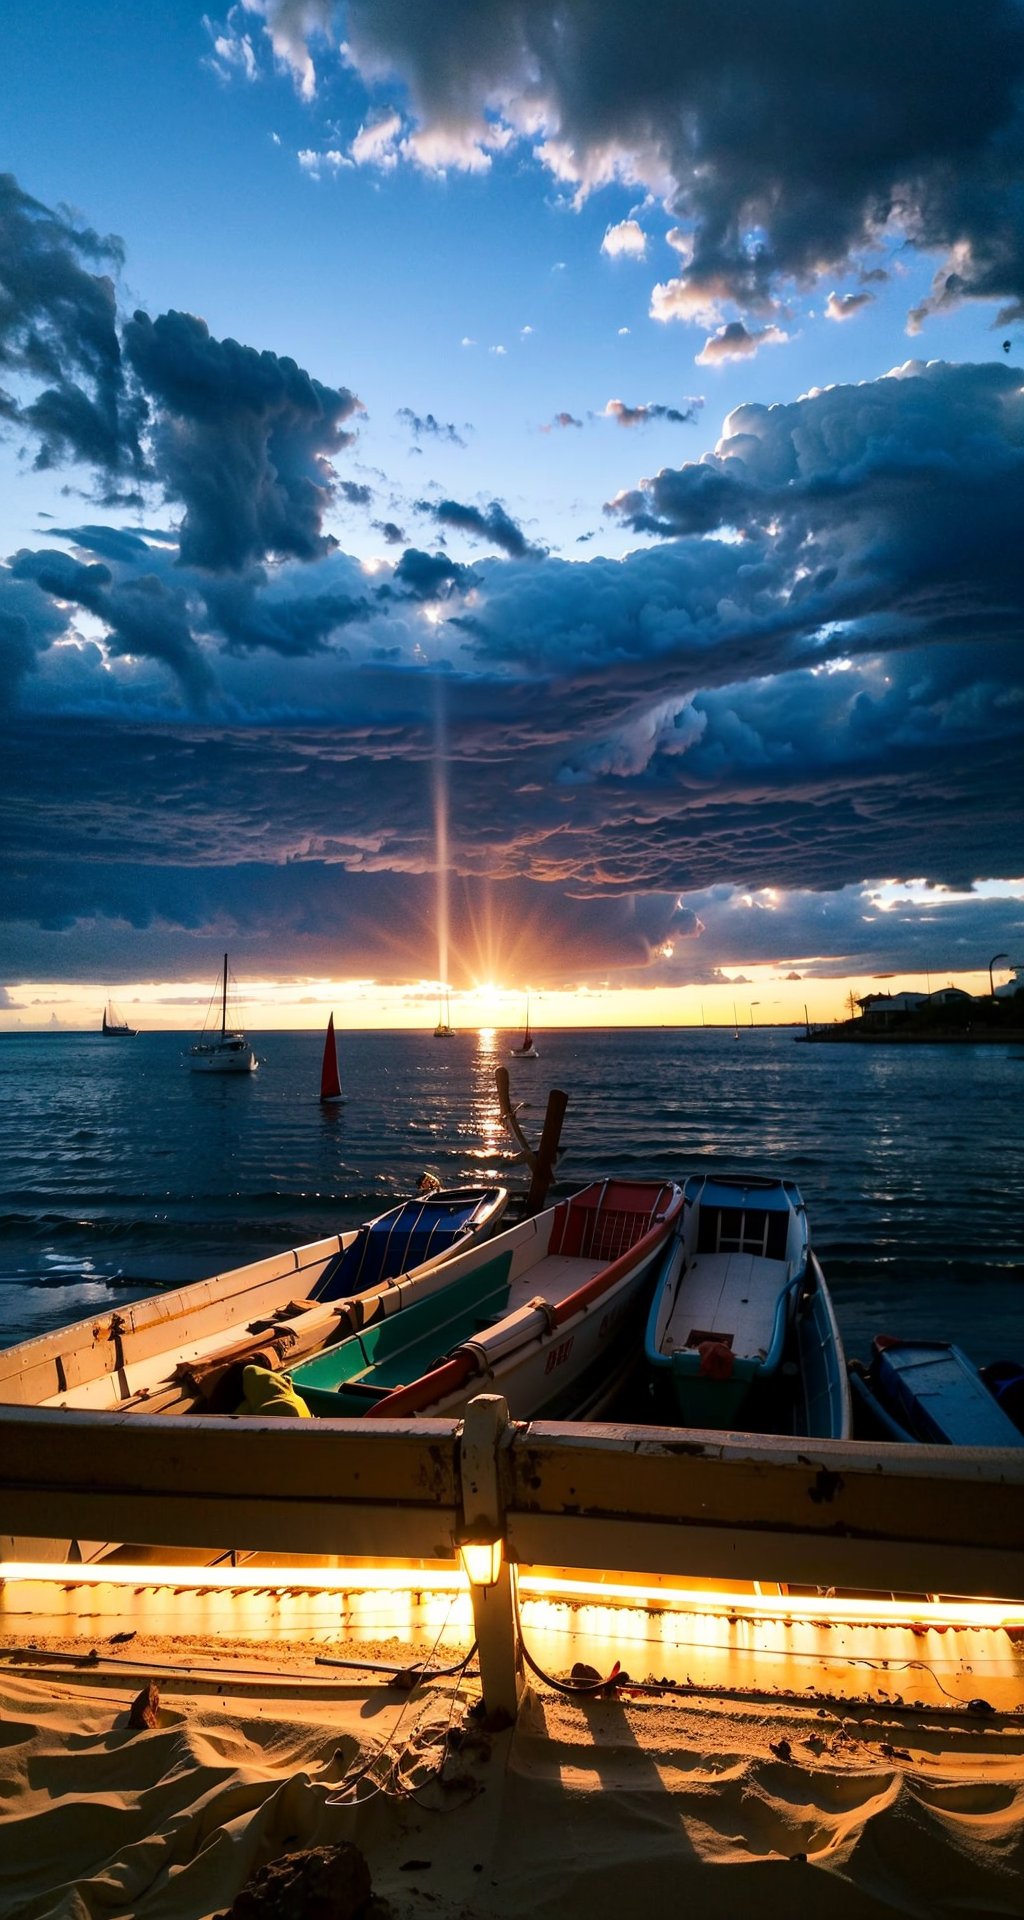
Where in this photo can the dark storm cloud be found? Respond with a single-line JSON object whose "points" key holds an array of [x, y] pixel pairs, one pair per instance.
{"points": [[896, 498], [58, 337], [29, 625], [243, 439], [114, 543], [355, 493], [431, 576], [849, 931], [785, 139], [278, 836], [291, 624], [626, 416], [143, 616], [392, 533], [495, 526], [317, 918], [425, 426], [816, 677]]}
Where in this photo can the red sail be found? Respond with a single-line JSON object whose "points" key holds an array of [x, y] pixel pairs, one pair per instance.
{"points": [[330, 1080]]}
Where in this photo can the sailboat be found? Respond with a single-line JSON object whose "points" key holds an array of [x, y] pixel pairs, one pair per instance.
{"points": [[330, 1079], [444, 1029], [226, 1050], [114, 1025], [735, 1022], [527, 1051]]}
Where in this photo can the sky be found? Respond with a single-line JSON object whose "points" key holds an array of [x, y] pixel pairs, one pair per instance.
{"points": [[520, 498]]}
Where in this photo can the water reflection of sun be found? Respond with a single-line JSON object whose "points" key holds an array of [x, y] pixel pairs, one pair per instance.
{"points": [[487, 1119]]}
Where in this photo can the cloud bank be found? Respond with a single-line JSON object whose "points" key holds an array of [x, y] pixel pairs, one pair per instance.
{"points": [[783, 156], [806, 673]]}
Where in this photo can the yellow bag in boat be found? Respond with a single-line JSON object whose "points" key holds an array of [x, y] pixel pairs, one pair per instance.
{"points": [[267, 1392]]}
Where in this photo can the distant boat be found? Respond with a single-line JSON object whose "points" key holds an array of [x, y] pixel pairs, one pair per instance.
{"points": [[114, 1025], [330, 1079], [741, 1331], [444, 1029], [735, 1023], [527, 1051], [223, 1050]]}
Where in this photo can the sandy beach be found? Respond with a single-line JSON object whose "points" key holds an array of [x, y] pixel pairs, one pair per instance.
{"points": [[633, 1802]]}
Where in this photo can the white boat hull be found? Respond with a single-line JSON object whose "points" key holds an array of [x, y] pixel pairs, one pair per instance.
{"points": [[550, 1376], [243, 1063]]}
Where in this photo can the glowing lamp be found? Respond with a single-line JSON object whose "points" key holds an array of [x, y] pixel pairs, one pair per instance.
{"points": [[481, 1556]]}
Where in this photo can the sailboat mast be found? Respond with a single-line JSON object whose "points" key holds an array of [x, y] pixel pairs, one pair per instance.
{"points": [[224, 1000]]}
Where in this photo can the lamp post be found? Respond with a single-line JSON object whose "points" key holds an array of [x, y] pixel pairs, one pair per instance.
{"points": [[996, 957]]}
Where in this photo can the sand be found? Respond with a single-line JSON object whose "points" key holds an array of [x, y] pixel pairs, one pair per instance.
{"points": [[603, 1807]]}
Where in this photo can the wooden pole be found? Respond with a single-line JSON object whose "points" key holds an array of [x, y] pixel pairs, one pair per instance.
{"points": [[485, 1434], [547, 1153]]}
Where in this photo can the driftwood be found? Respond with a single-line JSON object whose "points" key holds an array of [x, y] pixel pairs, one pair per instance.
{"points": [[542, 1161], [145, 1708]]}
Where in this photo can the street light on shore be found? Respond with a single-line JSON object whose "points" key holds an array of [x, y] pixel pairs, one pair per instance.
{"points": [[996, 957]]}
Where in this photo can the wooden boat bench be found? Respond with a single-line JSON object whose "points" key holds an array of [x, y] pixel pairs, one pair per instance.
{"points": [[718, 1300], [405, 1345]]}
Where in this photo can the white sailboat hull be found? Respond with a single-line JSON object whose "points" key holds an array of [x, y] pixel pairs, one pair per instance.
{"points": [[231, 1056]]}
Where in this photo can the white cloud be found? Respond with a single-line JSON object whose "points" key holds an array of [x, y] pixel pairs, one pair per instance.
{"points": [[233, 53], [438, 149], [700, 300], [843, 306], [289, 26], [376, 143], [315, 163], [628, 237]]}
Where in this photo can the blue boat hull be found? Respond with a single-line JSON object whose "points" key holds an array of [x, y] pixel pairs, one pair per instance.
{"points": [[741, 1330], [930, 1391], [427, 1228]]}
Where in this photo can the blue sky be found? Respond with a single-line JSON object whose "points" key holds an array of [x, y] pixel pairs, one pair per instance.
{"points": [[560, 447]]}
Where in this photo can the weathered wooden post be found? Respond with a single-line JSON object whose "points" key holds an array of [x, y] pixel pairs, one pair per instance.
{"points": [[480, 1538], [542, 1162]]}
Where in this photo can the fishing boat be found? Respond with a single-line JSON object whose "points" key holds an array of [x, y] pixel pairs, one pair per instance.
{"points": [[444, 1029], [548, 1313], [330, 1078], [527, 1051], [929, 1390], [184, 1351], [224, 1049], [741, 1330], [115, 1026]]}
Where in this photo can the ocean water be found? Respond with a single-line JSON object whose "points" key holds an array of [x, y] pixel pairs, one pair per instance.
{"points": [[121, 1172]]}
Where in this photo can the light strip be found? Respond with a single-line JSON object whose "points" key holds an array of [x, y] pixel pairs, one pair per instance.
{"points": [[984, 1615]]}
